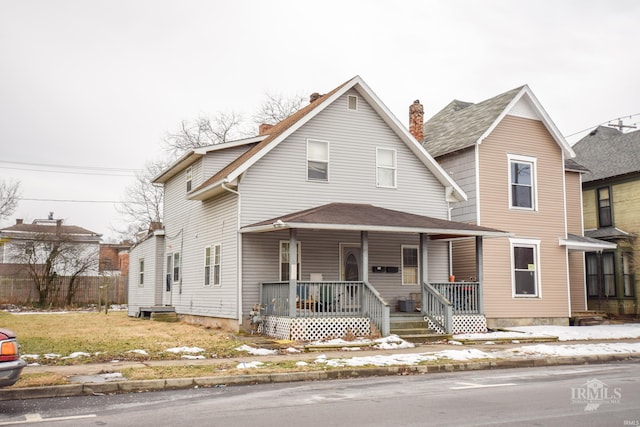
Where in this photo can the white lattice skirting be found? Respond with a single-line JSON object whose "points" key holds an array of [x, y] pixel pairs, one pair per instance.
{"points": [[314, 328], [465, 324]]}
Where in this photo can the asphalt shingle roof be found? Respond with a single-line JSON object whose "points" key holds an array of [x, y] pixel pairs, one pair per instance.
{"points": [[607, 152], [460, 124]]}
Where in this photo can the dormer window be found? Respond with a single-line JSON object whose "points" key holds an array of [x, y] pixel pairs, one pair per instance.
{"points": [[189, 175], [352, 102]]}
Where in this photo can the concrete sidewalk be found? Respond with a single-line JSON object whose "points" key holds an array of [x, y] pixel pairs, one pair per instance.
{"points": [[86, 379]]}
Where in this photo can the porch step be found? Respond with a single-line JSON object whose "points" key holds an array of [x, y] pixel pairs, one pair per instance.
{"points": [[588, 318], [413, 328], [164, 317]]}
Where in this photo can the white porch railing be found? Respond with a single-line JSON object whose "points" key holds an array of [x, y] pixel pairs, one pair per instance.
{"points": [[464, 296], [326, 299], [437, 308]]}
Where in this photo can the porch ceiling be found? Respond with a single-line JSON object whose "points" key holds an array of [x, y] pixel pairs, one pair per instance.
{"points": [[365, 217]]}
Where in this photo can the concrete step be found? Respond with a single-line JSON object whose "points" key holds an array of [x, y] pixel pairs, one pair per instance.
{"points": [[164, 317], [425, 338]]}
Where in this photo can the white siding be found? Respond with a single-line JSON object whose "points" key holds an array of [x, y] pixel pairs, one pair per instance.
{"points": [[278, 184], [215, 161], [150, 292], [191, 226]]}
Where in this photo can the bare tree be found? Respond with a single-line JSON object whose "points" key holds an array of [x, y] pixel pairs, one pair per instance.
{"points": [[9, 194], [50, 256], [143, 202], [202, 132], [276, 108]]}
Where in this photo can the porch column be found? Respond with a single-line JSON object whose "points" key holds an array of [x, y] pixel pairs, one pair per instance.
{"points": [[424, 267], [293, 270], [480, 273], [364, 250]]}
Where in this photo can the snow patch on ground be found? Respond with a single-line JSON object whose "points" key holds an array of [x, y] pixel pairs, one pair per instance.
{"points": [[185, 350], [256, 351]]}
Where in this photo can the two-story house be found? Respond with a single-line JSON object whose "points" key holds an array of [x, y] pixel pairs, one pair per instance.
{"points": [[512, 162], [323, 224], [611, 200]]}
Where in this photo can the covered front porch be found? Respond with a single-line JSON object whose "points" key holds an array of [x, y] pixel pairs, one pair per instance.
{"points": [[365, 297]]}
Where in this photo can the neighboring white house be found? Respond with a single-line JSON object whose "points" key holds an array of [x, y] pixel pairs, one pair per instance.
{"points": [[341, 187], [24, 243]]}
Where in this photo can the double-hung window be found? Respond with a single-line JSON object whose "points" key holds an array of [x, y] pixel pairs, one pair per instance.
{"points": [[524, 261], [386, 166], [189, 177], [317, 160], [141, 272], [207, 266], [409, 265], [604, 207], [522, 182], [176, 267], [284, 261], [217, 256]]}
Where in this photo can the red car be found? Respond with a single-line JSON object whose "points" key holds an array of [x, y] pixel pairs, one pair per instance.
{"points": [[10, 363]]}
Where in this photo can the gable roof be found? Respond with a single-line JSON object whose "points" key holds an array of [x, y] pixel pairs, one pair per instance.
{"points": [[365, 217], [28, 231], [461, 125], [607, 152], [286, 127]]}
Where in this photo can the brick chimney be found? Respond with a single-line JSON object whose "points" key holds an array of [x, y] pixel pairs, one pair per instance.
{"points": [[58, 227], [314, 97], [19, 221], [416, 120], [264, 128]]}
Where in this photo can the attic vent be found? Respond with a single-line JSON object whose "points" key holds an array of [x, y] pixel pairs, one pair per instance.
{"points": [[352, 102]]}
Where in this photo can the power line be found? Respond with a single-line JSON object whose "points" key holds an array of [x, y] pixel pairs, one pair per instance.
{"points": [[603, 123], [69, 172], [68, 200], [53, 165]]}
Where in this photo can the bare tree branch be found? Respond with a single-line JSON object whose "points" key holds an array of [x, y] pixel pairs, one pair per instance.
{"points": [[276, 108], [9, 194]]}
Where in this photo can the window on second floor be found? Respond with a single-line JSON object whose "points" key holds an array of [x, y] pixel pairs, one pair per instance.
{"points": [[317, 160], [189, 177], [522, 182], [386, 167], [604, 207]]}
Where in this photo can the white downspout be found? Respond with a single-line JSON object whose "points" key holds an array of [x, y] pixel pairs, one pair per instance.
{"points": [[239, 248]]}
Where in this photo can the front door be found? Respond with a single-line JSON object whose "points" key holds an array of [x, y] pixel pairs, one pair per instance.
{"points": [[350, 263], [168, 282]]}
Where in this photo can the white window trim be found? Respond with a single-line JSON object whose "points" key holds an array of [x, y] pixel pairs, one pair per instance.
{"points": [[349, 97], [394, 168], [216, 248], [328, 161], [417, 248], [189, 178], [299, 272], [530, 243], [534, 166], [207, 263], [179, 266], [141, 273]]}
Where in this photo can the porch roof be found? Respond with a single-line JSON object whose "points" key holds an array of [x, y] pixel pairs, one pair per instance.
{"points": [[585, 244], [365, 217]]}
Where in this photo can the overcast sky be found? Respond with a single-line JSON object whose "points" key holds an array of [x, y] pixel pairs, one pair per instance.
{"points": [[96, 85]]}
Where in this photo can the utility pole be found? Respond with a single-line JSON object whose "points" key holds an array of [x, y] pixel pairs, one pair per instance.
{"points": [[621, 126]]}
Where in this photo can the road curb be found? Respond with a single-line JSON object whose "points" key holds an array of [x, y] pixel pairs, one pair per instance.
{"points": [[130, 386]]}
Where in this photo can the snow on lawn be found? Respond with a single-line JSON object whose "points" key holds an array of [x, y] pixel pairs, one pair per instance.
{"points": [[563, 333], [256, 351], [185, 350]]}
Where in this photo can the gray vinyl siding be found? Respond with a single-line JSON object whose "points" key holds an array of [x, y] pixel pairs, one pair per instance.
{"points": [[190, 226], [321, 254], [277, 184], [214, 161], [461, 166], [150, 293]]}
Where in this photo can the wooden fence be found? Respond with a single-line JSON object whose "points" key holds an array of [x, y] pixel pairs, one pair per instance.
{"points": [[89, 290]]}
